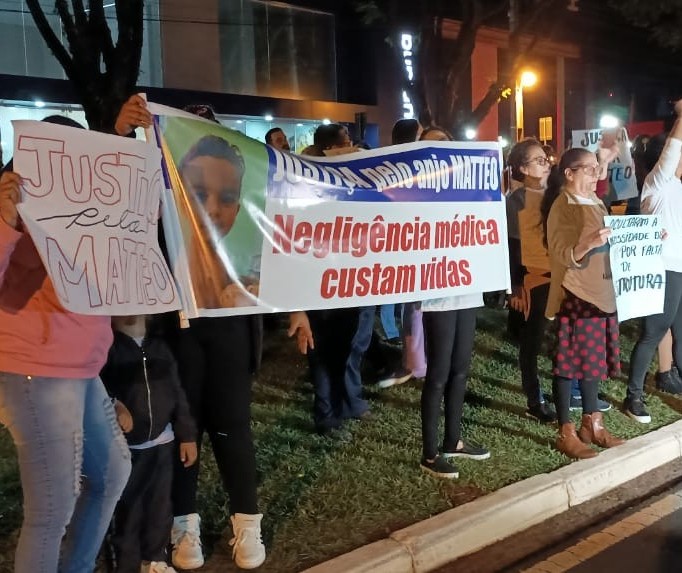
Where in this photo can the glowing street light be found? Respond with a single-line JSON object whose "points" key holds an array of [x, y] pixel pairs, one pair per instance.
{"points": [[470, 133], [608, 121], [527, 79]]}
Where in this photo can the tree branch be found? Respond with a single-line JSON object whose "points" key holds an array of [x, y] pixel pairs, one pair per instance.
{"points": [[129, 44], [67, 21], [467, 43], [496, 10], [79, 13], [50, 37], [491, 97], [100, 29], [496, 89]]}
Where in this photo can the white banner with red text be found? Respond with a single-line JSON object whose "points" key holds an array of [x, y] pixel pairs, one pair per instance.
{"points": [[251, 229]]}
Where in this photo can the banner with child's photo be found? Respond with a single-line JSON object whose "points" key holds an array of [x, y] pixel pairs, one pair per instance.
{"points": [[250, 229]]}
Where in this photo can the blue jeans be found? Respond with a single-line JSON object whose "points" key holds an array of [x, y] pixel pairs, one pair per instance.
{"points": [[74, 463], [354, 405], [341, 336], [387, 314]]}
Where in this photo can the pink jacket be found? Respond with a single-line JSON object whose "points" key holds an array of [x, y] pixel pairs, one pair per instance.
{"points": [[38, 336]]}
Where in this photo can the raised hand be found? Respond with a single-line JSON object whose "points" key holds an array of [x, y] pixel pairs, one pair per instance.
{"points": [[133, 114], [10, 195]]}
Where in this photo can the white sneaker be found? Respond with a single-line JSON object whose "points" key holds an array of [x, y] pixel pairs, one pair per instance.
{"points": [[156, 567], [186, 541], [399, 377], [248, 550]]}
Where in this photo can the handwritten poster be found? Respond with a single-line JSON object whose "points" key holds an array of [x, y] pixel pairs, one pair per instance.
{"points": [[622, 170], [91, 203], [637, 265]]}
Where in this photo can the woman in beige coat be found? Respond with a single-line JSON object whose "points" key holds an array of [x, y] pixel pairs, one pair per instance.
{"points": [[582, 301]]}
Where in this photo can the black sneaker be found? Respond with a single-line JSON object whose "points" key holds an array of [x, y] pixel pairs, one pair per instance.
{"points": [[577, 404], [468, 450], [400, 376], [676, 374], [634, 407], [668, 382], [603, 405], [439, 467], [542, 412]]}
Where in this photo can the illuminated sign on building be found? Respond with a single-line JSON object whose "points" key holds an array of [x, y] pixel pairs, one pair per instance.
{"points": [[406, 42]]}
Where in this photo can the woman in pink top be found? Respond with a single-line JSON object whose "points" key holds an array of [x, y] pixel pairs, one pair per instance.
{"points": [[73, 458]]}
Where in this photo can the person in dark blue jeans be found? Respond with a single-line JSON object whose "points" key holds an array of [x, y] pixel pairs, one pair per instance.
{"points": [[388, 321], [577, 400], [341, 337]]}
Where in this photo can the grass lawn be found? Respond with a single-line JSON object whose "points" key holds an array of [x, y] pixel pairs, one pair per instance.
{"points": [[322, 497]]}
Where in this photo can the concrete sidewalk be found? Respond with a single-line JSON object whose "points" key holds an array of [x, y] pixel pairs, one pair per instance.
{"points": [[432, 543]]}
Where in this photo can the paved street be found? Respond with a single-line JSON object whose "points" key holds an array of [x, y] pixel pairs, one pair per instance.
{"points": [[645, 539]]}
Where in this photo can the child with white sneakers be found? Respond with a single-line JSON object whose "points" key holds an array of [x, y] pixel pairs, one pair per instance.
{"points": [[216, 359], [141, 375]]}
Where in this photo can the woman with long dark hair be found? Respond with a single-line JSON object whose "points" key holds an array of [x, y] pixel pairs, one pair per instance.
{"points": [[529, 262]]}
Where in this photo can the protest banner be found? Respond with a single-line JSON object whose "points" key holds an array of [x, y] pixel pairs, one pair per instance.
{"points": [[90, 202], [254, 229], [621, 171], [637, 266]]}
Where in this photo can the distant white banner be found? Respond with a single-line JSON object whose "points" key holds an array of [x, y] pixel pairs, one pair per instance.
{"points": [[622, 170], [91, 204]]}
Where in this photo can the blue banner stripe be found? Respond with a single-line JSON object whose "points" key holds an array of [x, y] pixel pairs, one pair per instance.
{"points": [[438, 174]]}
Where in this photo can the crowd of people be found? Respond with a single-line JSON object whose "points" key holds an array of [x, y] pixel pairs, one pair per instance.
{"points": [[108, 414]]}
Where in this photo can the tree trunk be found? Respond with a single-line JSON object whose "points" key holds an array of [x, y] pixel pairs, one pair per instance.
{"points": [[90, 48]]}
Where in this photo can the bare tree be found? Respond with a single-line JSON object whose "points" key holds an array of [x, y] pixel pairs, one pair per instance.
{"points": [[660, 18], [443, 65], [103, 74]]}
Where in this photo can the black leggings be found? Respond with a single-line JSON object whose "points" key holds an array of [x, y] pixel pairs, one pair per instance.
{"points": [[532, 333], [215, 356], [654, 328], [561, 388], [449, 344]]}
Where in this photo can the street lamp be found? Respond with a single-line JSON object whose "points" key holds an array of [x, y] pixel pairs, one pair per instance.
{"points": [[527, 79], [608, 121]]}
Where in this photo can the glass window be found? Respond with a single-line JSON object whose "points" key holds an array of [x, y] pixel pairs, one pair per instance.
{"points": [[23, 52], [28, 110], [11, 110], [277, 50], [299, 132]]}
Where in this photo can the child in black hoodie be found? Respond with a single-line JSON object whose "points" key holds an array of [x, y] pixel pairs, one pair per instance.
{"points": [[141, 374]]}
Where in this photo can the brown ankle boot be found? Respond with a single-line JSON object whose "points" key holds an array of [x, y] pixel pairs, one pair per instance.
{"points": [[568, 443], [592, 431]]}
